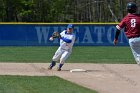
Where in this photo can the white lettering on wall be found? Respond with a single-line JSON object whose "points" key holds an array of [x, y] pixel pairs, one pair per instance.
{"points": [[111, 30], [122, 37], [100, 32], [87, 36], [42, 33], [76, 31], [55, 40], [94, 35]]}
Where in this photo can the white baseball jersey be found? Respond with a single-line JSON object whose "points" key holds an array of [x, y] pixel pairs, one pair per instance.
{"points": [[67, 40], [65, 48]]}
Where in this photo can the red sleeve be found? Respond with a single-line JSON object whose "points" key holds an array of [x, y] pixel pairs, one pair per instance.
{"points": [[122, 24]]}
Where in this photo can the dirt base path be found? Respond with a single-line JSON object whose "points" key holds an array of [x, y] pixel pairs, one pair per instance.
{"points": [[105, 78]]}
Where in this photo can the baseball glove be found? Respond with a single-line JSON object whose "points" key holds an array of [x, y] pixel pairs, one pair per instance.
{"points": [[56, 34]]}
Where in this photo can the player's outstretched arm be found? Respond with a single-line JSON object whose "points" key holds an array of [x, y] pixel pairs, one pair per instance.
{"points": [[116, 37]]}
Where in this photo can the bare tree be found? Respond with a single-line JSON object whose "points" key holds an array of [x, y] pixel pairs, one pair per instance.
{"points": [[64, 10]]}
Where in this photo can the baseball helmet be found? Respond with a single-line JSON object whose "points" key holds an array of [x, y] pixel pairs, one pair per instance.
{"points": [[70, 26], [131, 7]]}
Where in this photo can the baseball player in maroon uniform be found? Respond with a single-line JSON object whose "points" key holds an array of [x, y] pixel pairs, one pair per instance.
{"points": [[131, 25]]}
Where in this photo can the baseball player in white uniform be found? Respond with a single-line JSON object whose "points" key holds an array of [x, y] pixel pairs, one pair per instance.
{"points": [[67, 39]]}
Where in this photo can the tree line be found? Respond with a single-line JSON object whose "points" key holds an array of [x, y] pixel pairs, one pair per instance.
{"points": [[63, 10]]}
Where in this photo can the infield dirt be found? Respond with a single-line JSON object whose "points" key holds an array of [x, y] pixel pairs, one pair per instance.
{"points": [[104, 78]]}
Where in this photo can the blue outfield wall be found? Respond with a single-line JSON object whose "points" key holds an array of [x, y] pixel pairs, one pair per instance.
{"points": [[38, 34]]}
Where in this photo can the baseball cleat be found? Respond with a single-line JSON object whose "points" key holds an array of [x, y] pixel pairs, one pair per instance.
{"points": [[53, 63], [58, 69], [49, 68]]}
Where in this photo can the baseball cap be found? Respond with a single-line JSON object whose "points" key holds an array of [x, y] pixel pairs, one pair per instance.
{"points": [[70, 26]]}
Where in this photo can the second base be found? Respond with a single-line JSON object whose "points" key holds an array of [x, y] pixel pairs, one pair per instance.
{"points": [[77, 70]]}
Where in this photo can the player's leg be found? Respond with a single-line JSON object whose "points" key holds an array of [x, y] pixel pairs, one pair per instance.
{"points": [[53, 63], [63, 58], [55, 58], [135, 47]]}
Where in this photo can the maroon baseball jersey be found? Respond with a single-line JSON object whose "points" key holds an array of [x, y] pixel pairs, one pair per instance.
{"points": [[131, 25]]}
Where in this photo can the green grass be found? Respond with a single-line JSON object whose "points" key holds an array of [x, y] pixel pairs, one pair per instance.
{"points": [[90, 54], [51, 84], [102, 55]]}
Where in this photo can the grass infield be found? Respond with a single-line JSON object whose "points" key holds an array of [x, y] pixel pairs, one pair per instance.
{"points": [[80, 54], [36, 84]]}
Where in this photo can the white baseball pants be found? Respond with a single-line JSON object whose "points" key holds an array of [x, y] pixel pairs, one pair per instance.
{"points": [[62, 55], [135, 47]]}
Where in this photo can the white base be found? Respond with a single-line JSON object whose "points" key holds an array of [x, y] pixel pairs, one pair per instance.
{"points": [[77, 70]]}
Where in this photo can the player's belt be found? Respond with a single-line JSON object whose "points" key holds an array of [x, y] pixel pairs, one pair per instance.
{"points": [[65, 49], [134, 36]]}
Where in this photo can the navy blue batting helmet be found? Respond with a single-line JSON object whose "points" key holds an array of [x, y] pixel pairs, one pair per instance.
{"points": [[70, 26], [131, 7]]}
